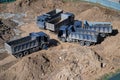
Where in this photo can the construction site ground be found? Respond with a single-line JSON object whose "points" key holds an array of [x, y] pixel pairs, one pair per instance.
{"points": [[62, 61]]}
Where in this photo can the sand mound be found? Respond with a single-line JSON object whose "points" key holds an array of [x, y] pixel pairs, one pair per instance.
{"points": [[6, 30], [33, 5], [76, 64], [29, 68], [94, 14]]}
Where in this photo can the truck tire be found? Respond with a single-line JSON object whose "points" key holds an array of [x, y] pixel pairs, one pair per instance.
{"points": [[20, 55], [82, 43], [16, 56], [25, 53], [63, 39], [44, 46], [103, 35], [87, 43], [69, 40]]}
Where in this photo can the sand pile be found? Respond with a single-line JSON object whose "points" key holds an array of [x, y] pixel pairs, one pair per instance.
{"points": [[6, 30], [29, 68], [77, 64]]}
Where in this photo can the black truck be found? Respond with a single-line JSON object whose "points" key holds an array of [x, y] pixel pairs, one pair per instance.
{"points": [[28, 44]]}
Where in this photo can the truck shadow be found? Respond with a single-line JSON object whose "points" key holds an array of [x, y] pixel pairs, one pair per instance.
{"points": [[100, 40], [53, 42], [114, 32]]}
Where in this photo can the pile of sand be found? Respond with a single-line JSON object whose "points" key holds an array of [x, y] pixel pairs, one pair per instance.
{"points": [[6, 30], [77, 64]]}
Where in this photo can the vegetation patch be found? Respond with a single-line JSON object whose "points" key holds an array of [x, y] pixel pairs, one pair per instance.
{"points": [[6, 1]]}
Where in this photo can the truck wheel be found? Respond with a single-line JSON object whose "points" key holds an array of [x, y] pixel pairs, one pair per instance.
{"points": [[16, 56], [102, 35], [63, 39], [44, 46], [82, 43], [20, 55], [37, 48], [87, 43], [25, 53], [69, 40]]}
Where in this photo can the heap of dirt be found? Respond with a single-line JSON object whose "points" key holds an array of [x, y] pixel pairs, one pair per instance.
{"points": [[77, 64], [32, 7], [30, 68], [99, 14], [6, 30]]}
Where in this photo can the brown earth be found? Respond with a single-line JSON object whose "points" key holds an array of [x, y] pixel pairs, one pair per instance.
{"points": [[64, 61], [6, 30]]}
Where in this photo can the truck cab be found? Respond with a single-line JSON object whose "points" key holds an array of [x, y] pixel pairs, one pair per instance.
{"points": [[62, 34], [41, 20], [64, 31]]}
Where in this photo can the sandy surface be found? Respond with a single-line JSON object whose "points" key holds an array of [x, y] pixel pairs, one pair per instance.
{"points": [[65, 61]]}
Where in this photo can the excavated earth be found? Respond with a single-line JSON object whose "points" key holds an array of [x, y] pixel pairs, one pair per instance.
{"points": [[63, 61]]}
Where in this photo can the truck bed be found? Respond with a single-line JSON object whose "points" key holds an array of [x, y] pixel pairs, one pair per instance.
{"points": [[20, 44], [84, 37], [84, 31]]}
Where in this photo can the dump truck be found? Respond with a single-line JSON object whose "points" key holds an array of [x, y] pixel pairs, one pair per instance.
{"points": [[66, 34], [103, 28], [64, 19], [42, 19], [26, 45]]}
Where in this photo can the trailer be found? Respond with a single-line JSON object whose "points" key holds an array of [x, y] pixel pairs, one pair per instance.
{"points": [[28, 44], [42, 19], [65, 34], [64, 19]]}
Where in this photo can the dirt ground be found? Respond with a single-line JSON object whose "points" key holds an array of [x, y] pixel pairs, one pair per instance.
{"points": [[63, 61], [6, 30]]}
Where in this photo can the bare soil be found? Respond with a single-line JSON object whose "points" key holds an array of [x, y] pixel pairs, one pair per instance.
{"points": [[64, 61]]}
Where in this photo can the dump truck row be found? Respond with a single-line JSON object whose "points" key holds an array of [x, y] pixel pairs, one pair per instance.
{"points": [[65, 25], [67, 29]]}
